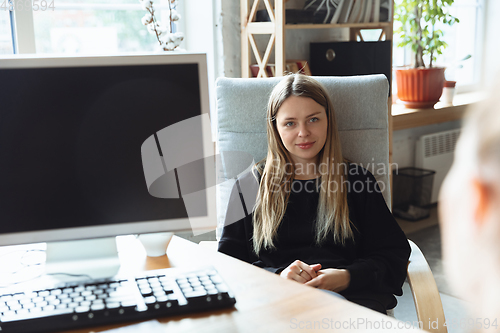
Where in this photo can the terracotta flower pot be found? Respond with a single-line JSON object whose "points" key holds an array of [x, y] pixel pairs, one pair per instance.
{"points": [[420, 87]]}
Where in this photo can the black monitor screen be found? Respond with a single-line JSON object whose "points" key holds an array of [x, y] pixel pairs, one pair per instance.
{"points": [[70, 142]]}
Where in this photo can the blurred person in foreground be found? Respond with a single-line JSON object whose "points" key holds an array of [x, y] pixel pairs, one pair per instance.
{"points": [[470, 215]]}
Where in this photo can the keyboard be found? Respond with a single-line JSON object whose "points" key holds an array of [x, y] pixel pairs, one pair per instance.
{"points": [[152, 294]]}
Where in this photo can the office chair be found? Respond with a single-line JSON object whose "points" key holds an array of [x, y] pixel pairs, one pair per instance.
{"points": [[360, 104]]}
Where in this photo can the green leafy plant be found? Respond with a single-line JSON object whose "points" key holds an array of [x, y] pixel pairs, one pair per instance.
{"points": [[419, 27]]}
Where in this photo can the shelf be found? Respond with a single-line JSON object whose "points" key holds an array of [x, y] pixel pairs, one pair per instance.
{"points": [[403, 118], [260, 27], [371, 25], [269, 27]]}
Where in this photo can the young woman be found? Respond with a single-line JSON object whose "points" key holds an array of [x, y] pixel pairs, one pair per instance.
{"points": [[318, 219]]}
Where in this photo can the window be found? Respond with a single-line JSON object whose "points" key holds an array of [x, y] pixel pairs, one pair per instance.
{"points": [[6, 45], [463, 39], [91, 26], [110, 26]]}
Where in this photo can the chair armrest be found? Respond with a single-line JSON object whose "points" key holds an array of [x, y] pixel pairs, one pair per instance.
{"points": [[425, 292], [212, 245]]}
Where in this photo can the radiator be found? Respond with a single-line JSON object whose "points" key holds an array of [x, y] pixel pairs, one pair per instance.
{"points": [[435, 152]]}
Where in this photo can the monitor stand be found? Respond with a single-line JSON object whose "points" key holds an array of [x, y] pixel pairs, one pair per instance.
{"points": [[82, 259]]}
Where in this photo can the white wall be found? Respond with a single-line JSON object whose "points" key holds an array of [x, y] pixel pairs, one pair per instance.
{"points": [[198, 24], [227, 18], [491, 45]]}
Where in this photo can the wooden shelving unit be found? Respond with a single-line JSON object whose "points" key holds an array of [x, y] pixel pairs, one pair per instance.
{"points": [[276, 29]]}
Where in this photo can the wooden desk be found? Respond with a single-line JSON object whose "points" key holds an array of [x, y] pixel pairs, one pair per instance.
{"points": [[265, 301]]}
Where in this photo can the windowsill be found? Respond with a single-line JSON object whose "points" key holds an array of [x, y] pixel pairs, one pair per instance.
{"points": [[403, 118]]}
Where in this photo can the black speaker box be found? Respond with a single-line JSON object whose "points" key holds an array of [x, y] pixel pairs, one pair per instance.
{"points": [[351, 58]]}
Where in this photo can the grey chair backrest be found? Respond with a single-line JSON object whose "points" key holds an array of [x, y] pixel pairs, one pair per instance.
{"points": [[360, 104]]}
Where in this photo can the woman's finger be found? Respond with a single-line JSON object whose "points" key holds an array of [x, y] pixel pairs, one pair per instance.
{"points": [[313, 283], [307, 272], [299, 278], [301, 272], [316, 267], [300, 275]]}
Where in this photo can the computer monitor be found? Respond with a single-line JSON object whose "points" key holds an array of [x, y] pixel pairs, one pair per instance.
{"points": [[103, 146]]}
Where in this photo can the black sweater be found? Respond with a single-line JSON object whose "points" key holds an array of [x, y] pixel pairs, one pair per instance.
{"points": [[376, 258]]}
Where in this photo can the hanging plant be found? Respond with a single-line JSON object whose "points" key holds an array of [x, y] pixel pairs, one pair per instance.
{"points": [[167, 39]]}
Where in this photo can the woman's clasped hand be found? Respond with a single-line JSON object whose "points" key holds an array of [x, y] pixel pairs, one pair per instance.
{"points": [[312, 275]]}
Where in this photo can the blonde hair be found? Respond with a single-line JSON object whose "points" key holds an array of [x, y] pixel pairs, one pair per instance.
{"points": [[277, 172]]}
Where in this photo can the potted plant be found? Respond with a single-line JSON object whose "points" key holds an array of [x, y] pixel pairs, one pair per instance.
{"points": [[421, 86]]}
